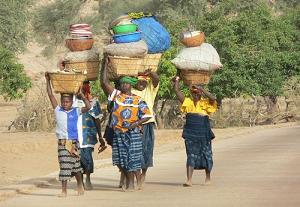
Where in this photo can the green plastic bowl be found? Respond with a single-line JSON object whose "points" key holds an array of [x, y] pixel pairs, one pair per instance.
{"points": [[125, 28]]}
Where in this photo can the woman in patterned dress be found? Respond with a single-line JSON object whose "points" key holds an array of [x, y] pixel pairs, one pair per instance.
{"points": [[129, 112]]}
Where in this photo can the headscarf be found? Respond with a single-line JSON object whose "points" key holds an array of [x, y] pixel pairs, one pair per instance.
{"points": [[130, 80]]}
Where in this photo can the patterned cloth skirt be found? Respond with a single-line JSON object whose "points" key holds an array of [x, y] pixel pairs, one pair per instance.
{"points": [[198, 135], [86, 159], [69, 164], [148, 145], [127, 150]]}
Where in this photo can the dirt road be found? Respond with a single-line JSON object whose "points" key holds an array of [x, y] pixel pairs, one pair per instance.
{"points": [[258, 169]]}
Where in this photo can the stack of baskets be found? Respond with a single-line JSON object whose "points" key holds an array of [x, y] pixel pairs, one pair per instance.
{"points": [[82, 58], [131, 35], [198, 61]]}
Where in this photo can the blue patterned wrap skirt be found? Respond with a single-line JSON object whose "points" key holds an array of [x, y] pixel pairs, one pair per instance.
{"points": [[148, 145], [198, 135], [127, 150]]}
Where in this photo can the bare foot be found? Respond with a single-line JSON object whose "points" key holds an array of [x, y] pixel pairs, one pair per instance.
{"points": [[207, 181], [80, 190], [88, 186], [187, 184], [62, 195]]}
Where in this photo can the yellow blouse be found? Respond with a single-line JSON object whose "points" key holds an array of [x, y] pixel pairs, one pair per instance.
{"points": [[202, 107]]}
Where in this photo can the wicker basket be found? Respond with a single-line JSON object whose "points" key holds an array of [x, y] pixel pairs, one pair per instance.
{"points": [[195, 77], [79, 44], [66, 83], [125, 66], [150, 61], [194, 41], [90, 68]]}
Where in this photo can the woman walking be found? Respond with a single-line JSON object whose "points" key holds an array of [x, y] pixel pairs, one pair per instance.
{"points": [[197, 131], [129, 112]]}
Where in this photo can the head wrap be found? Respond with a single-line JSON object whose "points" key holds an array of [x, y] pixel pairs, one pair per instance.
{"points": [[130, 80]]}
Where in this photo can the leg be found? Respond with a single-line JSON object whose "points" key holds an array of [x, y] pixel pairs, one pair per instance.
{"points": [[80, 189], [130, 181], [207, 179], [189, 175], [88, 184], [143, 176], [138, 179], [63, 189], [122, 179]]}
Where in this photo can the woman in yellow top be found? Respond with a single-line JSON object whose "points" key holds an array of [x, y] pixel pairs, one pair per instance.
{"points": [[197, 131]]}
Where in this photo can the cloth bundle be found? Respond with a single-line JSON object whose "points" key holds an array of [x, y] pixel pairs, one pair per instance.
{"points": [[205, 58]]}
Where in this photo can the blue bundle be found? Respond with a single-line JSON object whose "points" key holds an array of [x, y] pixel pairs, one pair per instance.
{"points": [[154, 34]]}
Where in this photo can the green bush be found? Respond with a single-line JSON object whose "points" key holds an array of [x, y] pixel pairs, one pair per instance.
{"points": [[13, 81]]}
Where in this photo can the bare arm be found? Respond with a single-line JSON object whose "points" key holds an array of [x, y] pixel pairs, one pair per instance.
{"points": [[210, 96], [178, 93], [98, 126], [105, 84], [49, 92], [86, 102], [155, 79], [139, 122]]}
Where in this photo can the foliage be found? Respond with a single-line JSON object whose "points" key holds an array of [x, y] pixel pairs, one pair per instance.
{"points": [[13, 24], [51, 21], [13, 81], [258, 50]]}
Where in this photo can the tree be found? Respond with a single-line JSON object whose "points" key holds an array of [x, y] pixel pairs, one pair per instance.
{"points": [[13, 24], [13, 81]]}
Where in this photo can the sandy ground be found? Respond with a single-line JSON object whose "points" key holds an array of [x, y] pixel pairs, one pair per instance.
{"points": [[251, 168]]}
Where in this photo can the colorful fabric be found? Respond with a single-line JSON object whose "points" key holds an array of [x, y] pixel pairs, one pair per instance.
{"points": [[86, 159], [203, 106], [88, 133], [127, 110], [148, 145], [130, 80], [198, 135], [148, 95], [66, 123], [69, 164], [127, 150]]}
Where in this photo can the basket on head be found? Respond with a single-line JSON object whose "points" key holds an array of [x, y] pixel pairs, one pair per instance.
{"points": [[90, 68], [150, 61], [190, 40], [195, 77], [125, 66], [79, 44], [66, 82]]}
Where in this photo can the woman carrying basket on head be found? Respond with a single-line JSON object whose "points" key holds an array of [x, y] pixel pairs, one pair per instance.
{"points": [[129, 112], [197, 132]]}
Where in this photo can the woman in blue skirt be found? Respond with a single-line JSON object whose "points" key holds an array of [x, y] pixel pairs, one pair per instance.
{"points": [[197, 132]]}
